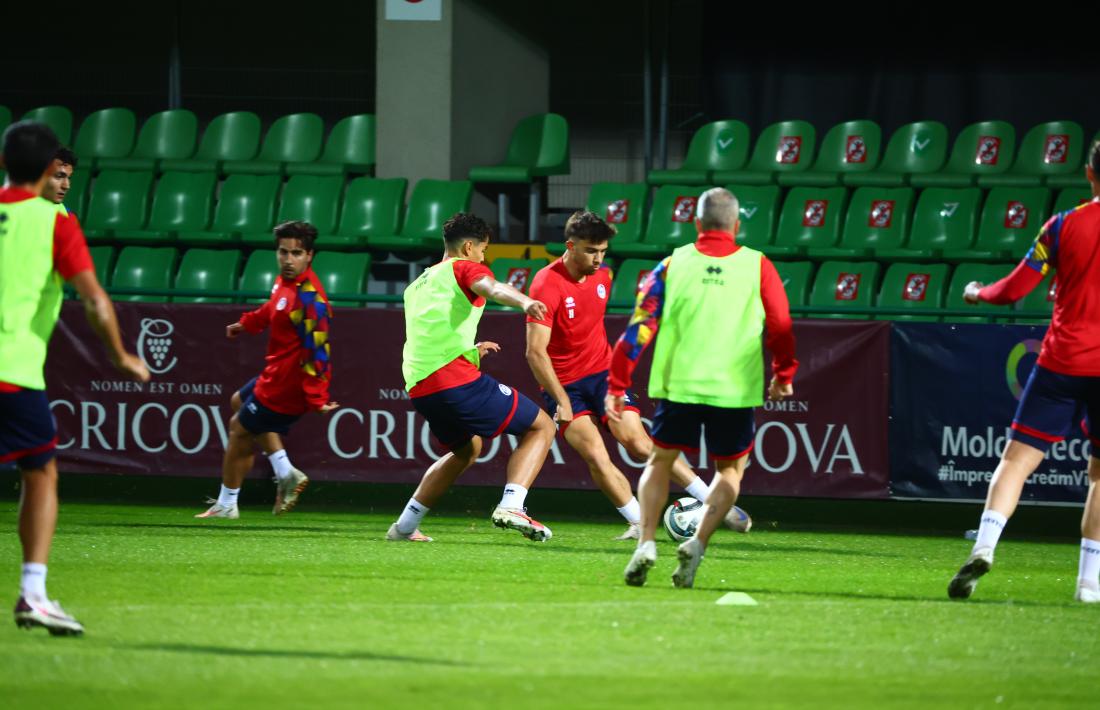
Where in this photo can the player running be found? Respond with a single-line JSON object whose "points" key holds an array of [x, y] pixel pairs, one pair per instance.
{"points": [[463, 406], [40, 246], [712, 299], [569, 354], [295, 379], [1064, 386]]}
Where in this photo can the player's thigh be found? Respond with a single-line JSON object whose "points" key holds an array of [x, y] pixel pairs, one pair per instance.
{"points": [[584, 436], [630, 432]]}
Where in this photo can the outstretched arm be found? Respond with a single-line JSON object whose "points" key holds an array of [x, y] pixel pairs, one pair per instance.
{"points": [[507, 295], [1038, 261]]}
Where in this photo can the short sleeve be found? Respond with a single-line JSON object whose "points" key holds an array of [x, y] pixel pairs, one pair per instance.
{"points": [[70, 249]]}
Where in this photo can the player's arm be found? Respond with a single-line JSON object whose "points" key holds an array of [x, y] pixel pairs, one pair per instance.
{"points": [[313, 331], [1029, 273], [507, 295], [779, 331], [643, 325], [252, 322], [538, 337]]}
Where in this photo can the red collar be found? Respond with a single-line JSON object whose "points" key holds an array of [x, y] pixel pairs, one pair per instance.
{"points": [[716, 243], [295, 282]]}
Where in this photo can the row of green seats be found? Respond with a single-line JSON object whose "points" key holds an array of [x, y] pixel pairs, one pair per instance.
{"points": [[984, 154], [215, 270], [951, 224], [231, 144], [125, 208]]}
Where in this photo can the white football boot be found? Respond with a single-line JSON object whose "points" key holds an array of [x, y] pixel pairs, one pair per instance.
{"points": [[633, 532], [30, 612], [1087, 593], [643, 559], [690, 555], [217, 510], [287, 491], [517, 519], [393, 534], [738, 520], [966, 579]]}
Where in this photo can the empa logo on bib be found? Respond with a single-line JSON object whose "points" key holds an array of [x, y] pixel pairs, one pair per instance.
{"points": [[505, 390]]}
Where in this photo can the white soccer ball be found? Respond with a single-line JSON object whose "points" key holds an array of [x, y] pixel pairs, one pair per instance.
{"points": [[682, 517]]}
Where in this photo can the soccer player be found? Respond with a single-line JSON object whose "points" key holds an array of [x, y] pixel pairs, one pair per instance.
{"points": [[38, 248], [711, 299], [1064, 386], [295, 378], [464, 406], [61, 179], [569, 355]]}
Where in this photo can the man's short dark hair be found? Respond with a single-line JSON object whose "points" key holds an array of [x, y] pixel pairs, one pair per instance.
{"points": [[463, 226], [588, 226], [66, 156], [1094, 158], [29, 149], [303, 231]]}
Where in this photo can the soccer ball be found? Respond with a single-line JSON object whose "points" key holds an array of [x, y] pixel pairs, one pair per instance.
{"points": [[682, 517]]}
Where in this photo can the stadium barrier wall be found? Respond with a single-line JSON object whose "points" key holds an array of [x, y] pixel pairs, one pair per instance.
{"points": [[830, 440]]}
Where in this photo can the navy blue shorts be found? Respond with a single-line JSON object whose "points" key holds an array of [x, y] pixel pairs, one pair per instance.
{"points": [[1052, 404], [729, 432], [257, 418], [28, 436], [586, 396], [483, 408]]}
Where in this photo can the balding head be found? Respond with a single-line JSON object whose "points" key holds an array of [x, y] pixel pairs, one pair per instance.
{"points": [[717, 210]]}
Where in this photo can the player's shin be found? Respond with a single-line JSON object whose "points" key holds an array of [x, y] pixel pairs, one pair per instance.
{"points": [[653, 490]]}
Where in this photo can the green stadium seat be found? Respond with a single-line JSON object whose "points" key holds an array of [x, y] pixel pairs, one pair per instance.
{"points": [[1049, 149], [246, 205], [5, 117], [720, 145], [295, 138], [811, 217], [342, 274], [1074, 178], [914, 149], [671, 220], [372, 207], [431, 204], [1041, 299], [306, 198], [944, 219], [518, 273], [1071, 197], [207, 270], [147, 268], [964, 274], [915, 286], [797, 278], [783, 147], [759, 209], [182, 204], [230, 136], [539, 147], [108, 133], [349, 149], [841, 285], [878, 218], [984, 148], [119, 203], [1011, 218], [59, 118], [628, 279], [76, 199], [621, 205], [167, 135], [848, 148], [104, 259], [260, 272]]}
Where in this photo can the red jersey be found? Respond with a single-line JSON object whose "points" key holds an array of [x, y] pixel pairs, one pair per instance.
{"points": [[574, 313], [70, 249], [1069, 243], [459, 371], [296, 375]]}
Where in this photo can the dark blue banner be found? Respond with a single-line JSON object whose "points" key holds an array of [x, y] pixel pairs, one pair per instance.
{"points": [[954, 391]]}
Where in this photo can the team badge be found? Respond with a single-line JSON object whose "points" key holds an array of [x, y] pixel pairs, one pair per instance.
{"points": [[1015, 215], [882, 214], [601, 291], [916, 287], [813, 215], [789, 150], [281, 304], [857, 150], [847, 287], [989, 150], [505, 390]]}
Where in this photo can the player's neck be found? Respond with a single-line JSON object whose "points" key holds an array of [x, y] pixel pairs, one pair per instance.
{"points": [[35, 188], [573, 269]]}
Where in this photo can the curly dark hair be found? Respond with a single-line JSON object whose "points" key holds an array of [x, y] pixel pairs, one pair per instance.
{"points": [[303, 231], [587, 225], [463, 226], [29, 148], [66, 156]]}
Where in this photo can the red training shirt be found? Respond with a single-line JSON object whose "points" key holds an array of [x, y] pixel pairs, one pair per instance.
{"points": [[574, 313]]}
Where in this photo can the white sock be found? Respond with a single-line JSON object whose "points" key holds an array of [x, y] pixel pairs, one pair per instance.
{"points": [[697, 490], [649, 547], [281, 463], [990, 529], [632, 511], [228, 497], [1088, 573], [411, 516], [33, 584], [514, 496]]}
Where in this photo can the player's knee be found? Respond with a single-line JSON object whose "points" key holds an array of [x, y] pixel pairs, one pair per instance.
{"points": [[639, 447], [544, 425], [237, 430], [235, 401], [468, 452]]}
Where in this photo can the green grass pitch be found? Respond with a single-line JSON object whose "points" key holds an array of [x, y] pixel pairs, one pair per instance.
{"points": [[314, 609]]}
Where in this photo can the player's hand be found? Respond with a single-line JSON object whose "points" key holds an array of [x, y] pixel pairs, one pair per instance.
{"points": [[536, 309], [133, 367], [778, 392], [564, 414], [329, 407], [486, 347], [613, 406], [970, 293], [233, 330]]}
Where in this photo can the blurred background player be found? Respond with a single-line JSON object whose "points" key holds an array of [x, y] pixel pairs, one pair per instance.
{"points": [[712, 298], [1063, 388], [60, 178], [295, 378], [463, 405], [569, 355], [38, 249]]}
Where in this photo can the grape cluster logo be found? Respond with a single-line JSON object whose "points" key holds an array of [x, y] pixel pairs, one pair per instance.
{"points": [[1012, 376], [154, 343]]}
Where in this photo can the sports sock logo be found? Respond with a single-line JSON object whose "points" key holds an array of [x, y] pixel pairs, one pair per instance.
{"points": [[993, 521], [414, 509]]}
